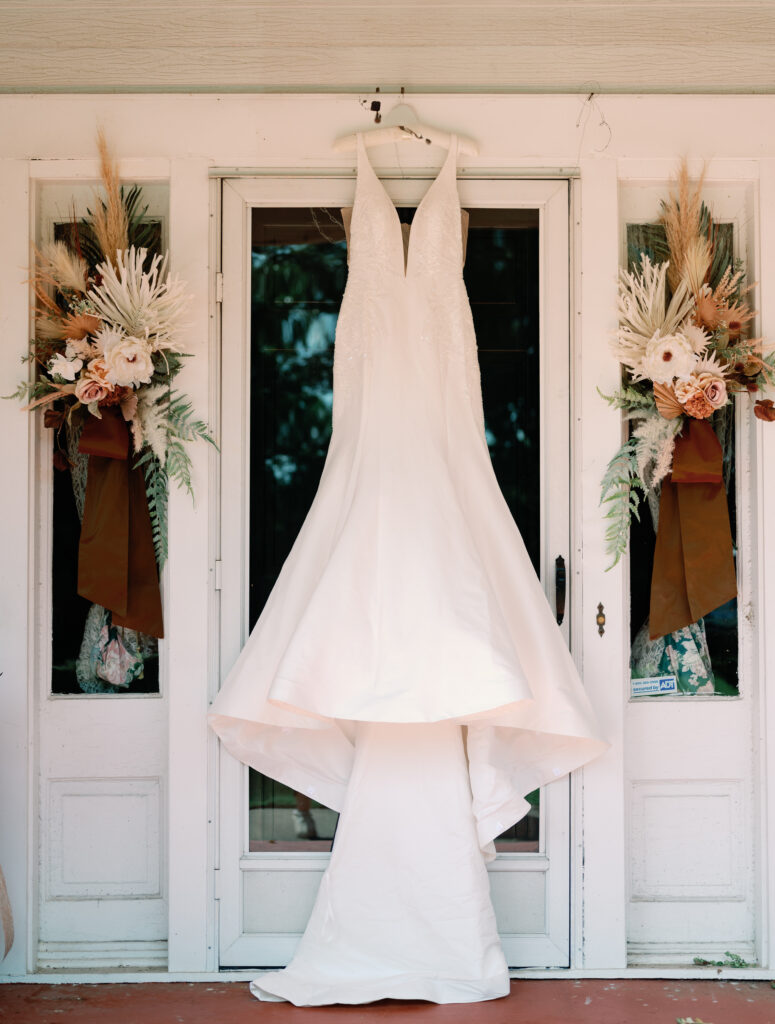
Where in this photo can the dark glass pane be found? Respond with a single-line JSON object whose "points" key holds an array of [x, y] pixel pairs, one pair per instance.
{"points": [[299, 270]]}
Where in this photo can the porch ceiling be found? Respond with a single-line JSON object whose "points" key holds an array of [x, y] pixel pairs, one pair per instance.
{"points": [[697, 46]]}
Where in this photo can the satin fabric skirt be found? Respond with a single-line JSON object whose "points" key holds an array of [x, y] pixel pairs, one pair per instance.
{"points": [[404, 908]]}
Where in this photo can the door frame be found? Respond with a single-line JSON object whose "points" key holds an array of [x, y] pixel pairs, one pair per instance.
{"points": [[551, 197]]}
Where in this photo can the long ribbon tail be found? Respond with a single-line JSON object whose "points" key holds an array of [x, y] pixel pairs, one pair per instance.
{"points": [[116, 560], [694, 568]]}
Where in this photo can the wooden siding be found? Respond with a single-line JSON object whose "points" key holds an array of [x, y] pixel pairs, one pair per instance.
{"points": [[692, 46]]}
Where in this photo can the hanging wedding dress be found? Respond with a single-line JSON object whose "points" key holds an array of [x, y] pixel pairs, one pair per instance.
{"points": [[407, 669]]}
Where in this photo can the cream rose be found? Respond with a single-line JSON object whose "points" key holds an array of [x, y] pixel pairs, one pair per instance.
{"points": [[667, 357], [128, 361]]}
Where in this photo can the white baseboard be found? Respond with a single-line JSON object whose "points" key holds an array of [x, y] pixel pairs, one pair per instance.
{"points": [[679, 954], [102, 956]]}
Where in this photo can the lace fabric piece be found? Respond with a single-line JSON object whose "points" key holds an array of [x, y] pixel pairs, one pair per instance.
{"points": [[683, 654]]}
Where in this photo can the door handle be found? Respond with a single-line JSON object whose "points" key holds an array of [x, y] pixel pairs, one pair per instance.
{"points": [[559, 588]]}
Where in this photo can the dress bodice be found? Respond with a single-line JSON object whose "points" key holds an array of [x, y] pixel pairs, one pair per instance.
{"points": [[405, 324], [434, 241], [347, 212]]}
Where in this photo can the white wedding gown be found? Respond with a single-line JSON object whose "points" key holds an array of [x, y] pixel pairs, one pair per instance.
{"points": [[407, 669]]}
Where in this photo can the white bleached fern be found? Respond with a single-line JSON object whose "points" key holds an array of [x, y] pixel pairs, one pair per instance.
{"points": [[152, 405], [654, 444]]}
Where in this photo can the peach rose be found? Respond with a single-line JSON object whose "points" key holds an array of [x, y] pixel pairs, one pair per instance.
{"points": [[698, 406], [685, 389], [97, 369]]}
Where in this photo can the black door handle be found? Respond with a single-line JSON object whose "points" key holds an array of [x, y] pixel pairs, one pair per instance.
{"points": [[559, 588]]}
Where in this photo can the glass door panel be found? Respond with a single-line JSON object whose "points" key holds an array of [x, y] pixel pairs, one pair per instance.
{"points": [[298, 275]]}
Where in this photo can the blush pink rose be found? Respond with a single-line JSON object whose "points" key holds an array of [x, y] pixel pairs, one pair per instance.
{"points": [[715, 390], [88, 390]]}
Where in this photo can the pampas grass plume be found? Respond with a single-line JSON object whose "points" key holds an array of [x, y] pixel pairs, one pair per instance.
{"points": [[109, 219]]}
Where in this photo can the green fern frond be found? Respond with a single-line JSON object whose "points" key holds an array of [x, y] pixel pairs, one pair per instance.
{"points": [[156, 489], [181, 420], [767, 377], [29, 390], [619, 488], [168, 364], [629, 397], [177, 427], [178, 466], [24, 392]]}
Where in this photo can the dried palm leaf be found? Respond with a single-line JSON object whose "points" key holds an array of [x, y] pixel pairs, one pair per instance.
{"points": [[697, 260], [668, 405], [80, 325]]}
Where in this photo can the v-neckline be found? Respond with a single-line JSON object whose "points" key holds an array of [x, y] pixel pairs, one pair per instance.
{"points": [[364, 158]]}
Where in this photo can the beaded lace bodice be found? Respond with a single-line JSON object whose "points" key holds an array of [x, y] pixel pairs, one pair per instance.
{"points": [[405, 311]]}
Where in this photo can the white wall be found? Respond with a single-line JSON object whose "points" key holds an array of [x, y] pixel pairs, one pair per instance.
{"points": [[179, 138]]}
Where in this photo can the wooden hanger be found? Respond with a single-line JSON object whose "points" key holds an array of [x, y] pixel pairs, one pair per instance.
{"points": [[403, 125]]}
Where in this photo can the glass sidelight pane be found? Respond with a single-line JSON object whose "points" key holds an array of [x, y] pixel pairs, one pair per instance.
{"points": [[82, 633], [299, 271], [704, 657]]}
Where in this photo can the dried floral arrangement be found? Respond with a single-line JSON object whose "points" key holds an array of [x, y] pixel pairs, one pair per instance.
{"points": [[106, 349], [110, 337], [685, 347]]}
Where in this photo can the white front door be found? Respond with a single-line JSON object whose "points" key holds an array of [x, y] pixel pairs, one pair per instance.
{"points": [[284, 268]]}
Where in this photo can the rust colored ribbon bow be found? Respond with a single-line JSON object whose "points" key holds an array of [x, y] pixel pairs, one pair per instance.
{"points": [[694, 568], [116, 560]]}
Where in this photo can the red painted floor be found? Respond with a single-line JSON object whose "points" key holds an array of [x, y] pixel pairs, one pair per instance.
{"points": [[530, 1002]]}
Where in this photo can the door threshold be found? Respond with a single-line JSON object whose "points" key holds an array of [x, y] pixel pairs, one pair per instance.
{"points": [[95, 976]]}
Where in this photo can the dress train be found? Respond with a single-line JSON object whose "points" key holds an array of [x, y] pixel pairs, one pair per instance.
{"points": [[403, 910]]}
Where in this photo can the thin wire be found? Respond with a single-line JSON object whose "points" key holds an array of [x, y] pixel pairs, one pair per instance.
{"points": [[331, 218], [588, 105]]}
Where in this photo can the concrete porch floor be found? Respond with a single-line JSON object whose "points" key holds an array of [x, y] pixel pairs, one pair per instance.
{"points": [[530, 1002]]}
